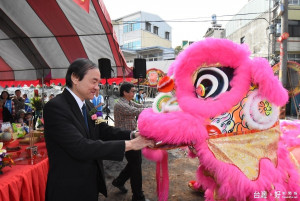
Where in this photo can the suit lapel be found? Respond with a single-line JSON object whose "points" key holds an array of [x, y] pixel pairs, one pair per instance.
{"points": [[77, 112], [90, 121]]}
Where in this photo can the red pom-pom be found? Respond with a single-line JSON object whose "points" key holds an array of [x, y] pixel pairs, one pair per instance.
{"points": [[166, 84]]}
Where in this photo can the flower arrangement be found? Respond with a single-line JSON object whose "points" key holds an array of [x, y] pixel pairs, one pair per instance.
{"points": [[5, 159], [93, 114], [97, 119], [36, 103]]}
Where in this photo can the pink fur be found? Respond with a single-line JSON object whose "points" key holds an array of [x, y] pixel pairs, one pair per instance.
{"points": [[290, 132], [269, 86], [188, 126], [212, 51], [161, 159], [169, 125], [153, 155]]}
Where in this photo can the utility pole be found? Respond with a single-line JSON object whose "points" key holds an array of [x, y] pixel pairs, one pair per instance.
{"points": [[272, 32], [283, 48]]}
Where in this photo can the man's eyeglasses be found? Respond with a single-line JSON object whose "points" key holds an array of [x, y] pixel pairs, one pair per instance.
{"points": [[132, 90]]}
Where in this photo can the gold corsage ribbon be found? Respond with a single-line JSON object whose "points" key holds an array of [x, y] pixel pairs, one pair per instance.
{"points": [[100, 120]]}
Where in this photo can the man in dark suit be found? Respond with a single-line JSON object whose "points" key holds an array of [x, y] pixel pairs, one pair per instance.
{"points": [[76, 146]]}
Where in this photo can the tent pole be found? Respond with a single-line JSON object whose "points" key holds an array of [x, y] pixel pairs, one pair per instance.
{"points": [[123, 70], [43, 102]]}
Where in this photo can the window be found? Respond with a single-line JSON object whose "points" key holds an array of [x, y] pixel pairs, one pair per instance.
{"points": [[125, 28], [294, 57], [133, 45], [294, 2], [167, 35], [155, 30], [294, 28], [132, 25], [136, 26], [148, 26], [242, 40]]}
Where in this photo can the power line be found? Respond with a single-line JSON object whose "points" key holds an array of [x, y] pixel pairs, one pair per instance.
{"points": [[241, 14], [102, 34], [189, 19], [192, 20]]}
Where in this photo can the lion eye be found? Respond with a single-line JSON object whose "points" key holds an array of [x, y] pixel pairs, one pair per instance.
{"points": [[213, 81]]}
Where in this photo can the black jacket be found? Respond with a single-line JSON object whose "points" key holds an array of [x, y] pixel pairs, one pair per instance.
{"points": [[75, 155], [7, 117]]}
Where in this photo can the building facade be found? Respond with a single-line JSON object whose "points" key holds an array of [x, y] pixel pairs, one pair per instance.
{"points": [[144, 35], [258, 25]]}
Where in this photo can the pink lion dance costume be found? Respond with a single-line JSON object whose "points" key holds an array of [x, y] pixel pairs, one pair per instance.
{"points": [[225, 107]]}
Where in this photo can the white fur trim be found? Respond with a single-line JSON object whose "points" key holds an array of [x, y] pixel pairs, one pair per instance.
{"points": [[253, 118]]}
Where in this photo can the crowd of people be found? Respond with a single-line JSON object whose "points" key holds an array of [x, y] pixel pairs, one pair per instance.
{"points": [[16, 108]]}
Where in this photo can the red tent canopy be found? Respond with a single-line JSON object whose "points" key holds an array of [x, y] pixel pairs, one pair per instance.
{"points": [[39, 39]]}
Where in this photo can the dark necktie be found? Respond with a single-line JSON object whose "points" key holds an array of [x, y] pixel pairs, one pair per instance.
{"points": [[84, 116]]}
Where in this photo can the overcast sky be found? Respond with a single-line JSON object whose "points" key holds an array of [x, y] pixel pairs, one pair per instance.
{"points": [[188, 10]]}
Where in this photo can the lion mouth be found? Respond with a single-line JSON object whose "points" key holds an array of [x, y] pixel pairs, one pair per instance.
{"points": [[161, 145]]}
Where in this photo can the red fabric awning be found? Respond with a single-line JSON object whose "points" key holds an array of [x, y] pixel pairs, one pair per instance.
{"points": [[17, 83], [116, 80], [56, 82]]}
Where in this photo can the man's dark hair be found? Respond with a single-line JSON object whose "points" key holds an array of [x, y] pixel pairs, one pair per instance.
{"points": [[126, 86], [17, 91], [79, 68]]}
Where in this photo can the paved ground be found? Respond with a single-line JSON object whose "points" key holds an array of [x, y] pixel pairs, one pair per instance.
{"points": [[181, 170]]}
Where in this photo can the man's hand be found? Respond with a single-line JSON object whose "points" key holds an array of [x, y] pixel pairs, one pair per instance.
{"points": [[138, 143]]}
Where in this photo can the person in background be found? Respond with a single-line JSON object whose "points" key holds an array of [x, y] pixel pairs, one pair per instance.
{"points": [[126, 112], [139, 98], [51, 96], [28, 118], [98, 102], [44, 97], [8, 103], [5, 115], [145, 96], [20, 117], [19, 102], [76, 144], [26, 102]]}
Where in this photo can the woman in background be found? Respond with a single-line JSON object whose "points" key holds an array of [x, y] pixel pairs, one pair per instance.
{"points": [[8, 103], [5, 115]]}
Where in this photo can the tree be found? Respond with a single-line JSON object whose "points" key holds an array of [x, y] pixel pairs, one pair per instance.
{"points": [[178, 49]]}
